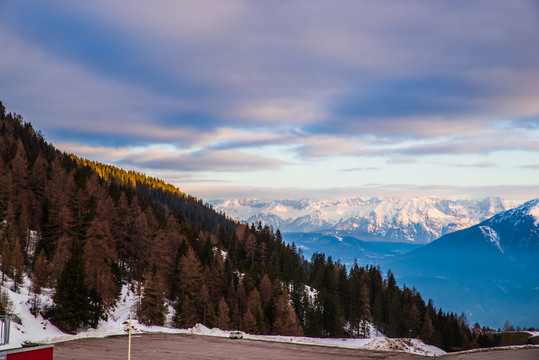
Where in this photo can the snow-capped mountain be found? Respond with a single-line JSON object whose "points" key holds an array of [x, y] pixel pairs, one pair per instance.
{"points": [[418, 220], [488, 271]]}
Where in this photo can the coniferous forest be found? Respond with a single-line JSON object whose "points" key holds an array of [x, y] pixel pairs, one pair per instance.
{"points": [[86, 229]]}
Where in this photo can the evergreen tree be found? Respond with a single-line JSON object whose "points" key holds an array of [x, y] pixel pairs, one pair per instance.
{"points": [[185, 315], [152, 309], [365, 312], [71, 299], [7, 261]]}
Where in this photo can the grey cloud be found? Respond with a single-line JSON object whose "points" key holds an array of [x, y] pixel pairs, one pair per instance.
{"points": [[511, 192], [484, 164], [402, 160], [326, 79], [361, 169], [219, 161]]}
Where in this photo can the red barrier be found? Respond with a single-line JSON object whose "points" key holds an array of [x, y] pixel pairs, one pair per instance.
{"points": [[41, 352]]}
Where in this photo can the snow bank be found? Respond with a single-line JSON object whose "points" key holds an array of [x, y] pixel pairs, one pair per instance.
{"points": [[37, 329]]}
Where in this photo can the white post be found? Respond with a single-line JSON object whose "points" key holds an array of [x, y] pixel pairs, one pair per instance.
{"points": [[129, 346]]}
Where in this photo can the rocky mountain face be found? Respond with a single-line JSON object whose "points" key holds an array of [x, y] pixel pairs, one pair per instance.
{"points": [[418, 220]]}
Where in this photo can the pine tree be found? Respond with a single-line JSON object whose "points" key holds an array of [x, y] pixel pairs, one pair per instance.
{"points": [[7, 261], [71, 299], [427, 330], [152, 309], [365, 312]]}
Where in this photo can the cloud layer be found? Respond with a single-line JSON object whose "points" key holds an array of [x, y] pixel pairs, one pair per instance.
{"points": [[230, 89]]}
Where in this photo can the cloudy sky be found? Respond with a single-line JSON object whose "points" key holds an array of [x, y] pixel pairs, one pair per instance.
{"points": [[286, 98]]}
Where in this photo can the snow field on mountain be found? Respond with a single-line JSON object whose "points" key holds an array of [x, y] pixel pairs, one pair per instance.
{"points": [[37, 329], [421, 219], [534, 211]]}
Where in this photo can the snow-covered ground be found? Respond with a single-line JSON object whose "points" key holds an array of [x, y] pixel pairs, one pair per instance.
{"points": [[37, 329]]}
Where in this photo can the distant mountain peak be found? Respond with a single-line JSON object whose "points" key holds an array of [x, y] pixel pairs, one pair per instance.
{"points": [[409, 219], [488, 270]]}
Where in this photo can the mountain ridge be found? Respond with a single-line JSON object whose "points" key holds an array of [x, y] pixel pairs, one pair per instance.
{"points": [[488, 269], [408, 219]]}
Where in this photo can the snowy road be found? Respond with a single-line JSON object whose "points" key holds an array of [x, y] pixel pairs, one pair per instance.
{"points": [[177, 346]]}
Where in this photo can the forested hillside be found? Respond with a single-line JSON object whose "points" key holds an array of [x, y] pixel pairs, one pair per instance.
{"points": [[86, 229]]}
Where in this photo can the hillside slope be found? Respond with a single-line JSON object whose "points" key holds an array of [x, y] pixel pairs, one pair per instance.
{"points": [[87, 230]]}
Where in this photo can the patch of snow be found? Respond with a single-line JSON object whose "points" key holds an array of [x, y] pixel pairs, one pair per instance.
{"points": [[239, 275], [379, 343], [534, 211], [311, 293], [492, 236], [414, 346]]}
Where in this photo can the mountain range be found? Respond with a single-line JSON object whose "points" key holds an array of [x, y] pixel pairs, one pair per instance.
{"points": [[489, 270], [417, 220], [473, 256]]}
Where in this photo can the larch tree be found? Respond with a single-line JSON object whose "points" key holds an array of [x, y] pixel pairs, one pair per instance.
{"points": [[286, 321], [266, 290], [217, 280], [61, 256], [40, 272], [205, 305], [223, 317], [254, 305], [190, 274], [249, 323], [100, 254]]}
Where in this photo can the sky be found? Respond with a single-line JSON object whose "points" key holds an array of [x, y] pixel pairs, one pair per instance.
{"points": [[284, 98]]}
